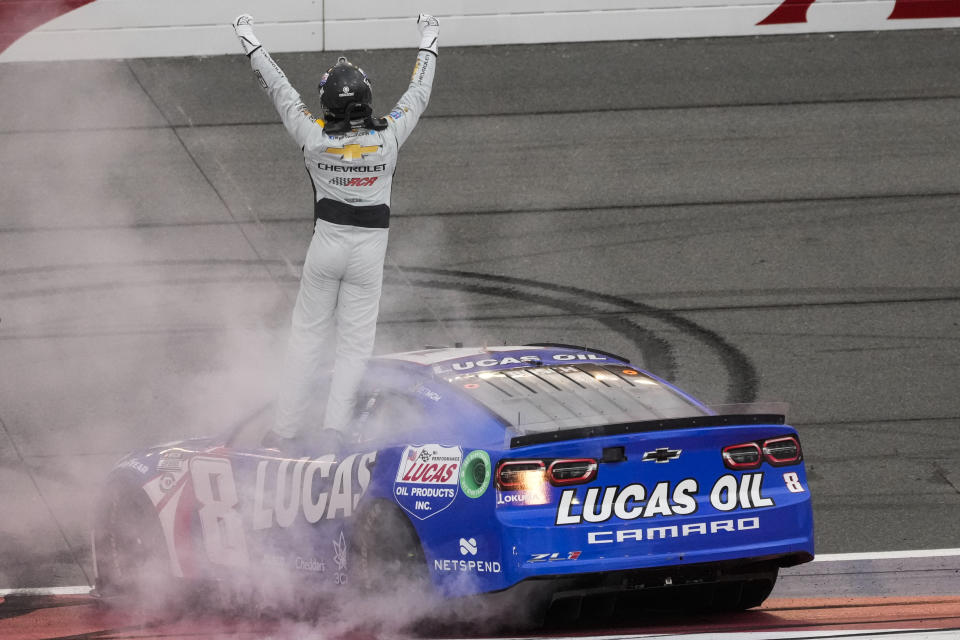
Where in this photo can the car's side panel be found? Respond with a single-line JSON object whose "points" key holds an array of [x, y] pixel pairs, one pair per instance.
{"points": [[276, 517], [294, 513], [446, 491]]}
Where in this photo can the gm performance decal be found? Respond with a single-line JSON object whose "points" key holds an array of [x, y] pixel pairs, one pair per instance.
{"points": [[665, 499], [428, 479]]}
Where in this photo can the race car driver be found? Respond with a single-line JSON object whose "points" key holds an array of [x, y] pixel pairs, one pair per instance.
{"points": [[350, 156]]}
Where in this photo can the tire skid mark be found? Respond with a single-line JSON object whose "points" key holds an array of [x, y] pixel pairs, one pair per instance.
{"points": [[607, 309], [657, 352], [461, 212]]}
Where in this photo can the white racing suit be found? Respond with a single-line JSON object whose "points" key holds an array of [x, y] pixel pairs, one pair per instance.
{"points": [[352, 174]]}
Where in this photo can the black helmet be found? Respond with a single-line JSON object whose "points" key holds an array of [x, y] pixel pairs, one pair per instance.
{"points": [[345, 94], [345, 91]]}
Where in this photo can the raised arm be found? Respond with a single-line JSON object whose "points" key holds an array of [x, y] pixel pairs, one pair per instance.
{"points": [[404, 117], [293, 112]]}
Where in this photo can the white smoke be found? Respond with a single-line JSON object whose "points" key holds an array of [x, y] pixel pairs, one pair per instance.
{"points": [[136, 311]]}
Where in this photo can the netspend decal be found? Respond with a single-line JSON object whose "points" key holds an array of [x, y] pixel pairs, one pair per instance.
{"points": [[468, 548], [428, 479]]}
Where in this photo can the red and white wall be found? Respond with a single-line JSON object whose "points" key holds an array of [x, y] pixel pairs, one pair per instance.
{"points": [[83, 29]]}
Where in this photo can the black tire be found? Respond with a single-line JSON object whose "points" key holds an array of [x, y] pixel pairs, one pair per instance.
{"points": [[745, 594], [131, 550], [388, 554], [754, 592]]}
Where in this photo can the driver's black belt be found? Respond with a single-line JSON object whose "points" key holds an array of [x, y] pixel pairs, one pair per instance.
{"points": [[375, 216]]}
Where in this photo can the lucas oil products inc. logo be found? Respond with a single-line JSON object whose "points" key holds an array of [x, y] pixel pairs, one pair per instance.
{"points": [[428, 479]]}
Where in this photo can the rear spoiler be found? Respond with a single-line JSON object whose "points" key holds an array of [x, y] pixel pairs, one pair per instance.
{"points": [[693, 422]]}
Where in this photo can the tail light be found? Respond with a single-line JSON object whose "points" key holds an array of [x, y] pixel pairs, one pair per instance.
{"points": [[517, 475], [742, 456], [750, 455], [780, 451], [578, 471]]}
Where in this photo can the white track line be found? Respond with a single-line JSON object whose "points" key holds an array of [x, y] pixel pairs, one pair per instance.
{"points": [[47, 591], [887, 555]]}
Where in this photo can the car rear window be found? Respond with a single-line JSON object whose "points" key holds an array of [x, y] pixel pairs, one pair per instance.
{"points": [[545, 398]]}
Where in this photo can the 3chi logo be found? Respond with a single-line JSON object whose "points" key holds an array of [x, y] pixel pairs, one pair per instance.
{"points": [[352, 151], [663, 454], [340, 558], [468, 546]]}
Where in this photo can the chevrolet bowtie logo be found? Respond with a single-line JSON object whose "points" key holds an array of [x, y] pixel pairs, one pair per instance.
{"points": [[662, 454], [351, 151]]}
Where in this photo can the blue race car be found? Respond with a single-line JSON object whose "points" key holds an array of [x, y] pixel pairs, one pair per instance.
{"points": [[543, 472]]}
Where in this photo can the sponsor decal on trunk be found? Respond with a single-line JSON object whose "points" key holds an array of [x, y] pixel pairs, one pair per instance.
{"points": [[633, 501]]}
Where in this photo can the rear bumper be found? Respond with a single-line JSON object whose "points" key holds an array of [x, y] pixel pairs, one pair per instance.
{"points": [[701, 585], [783, 533], [599, 583], [612, 561]]}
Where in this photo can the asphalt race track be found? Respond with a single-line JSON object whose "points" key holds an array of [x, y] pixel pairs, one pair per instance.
{"points": [[865, 617], [752, 218]]}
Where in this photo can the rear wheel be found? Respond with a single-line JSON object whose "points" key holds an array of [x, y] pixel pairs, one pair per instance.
{"points": [[131, 551], [388, 552], [745, 594]]}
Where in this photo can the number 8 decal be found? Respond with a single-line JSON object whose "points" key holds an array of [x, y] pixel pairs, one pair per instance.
{"points": [[792, 480], [216, 491]]}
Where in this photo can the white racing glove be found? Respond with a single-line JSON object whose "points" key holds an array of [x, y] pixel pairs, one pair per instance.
{"points": [[243, 25], [429, 31]]}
